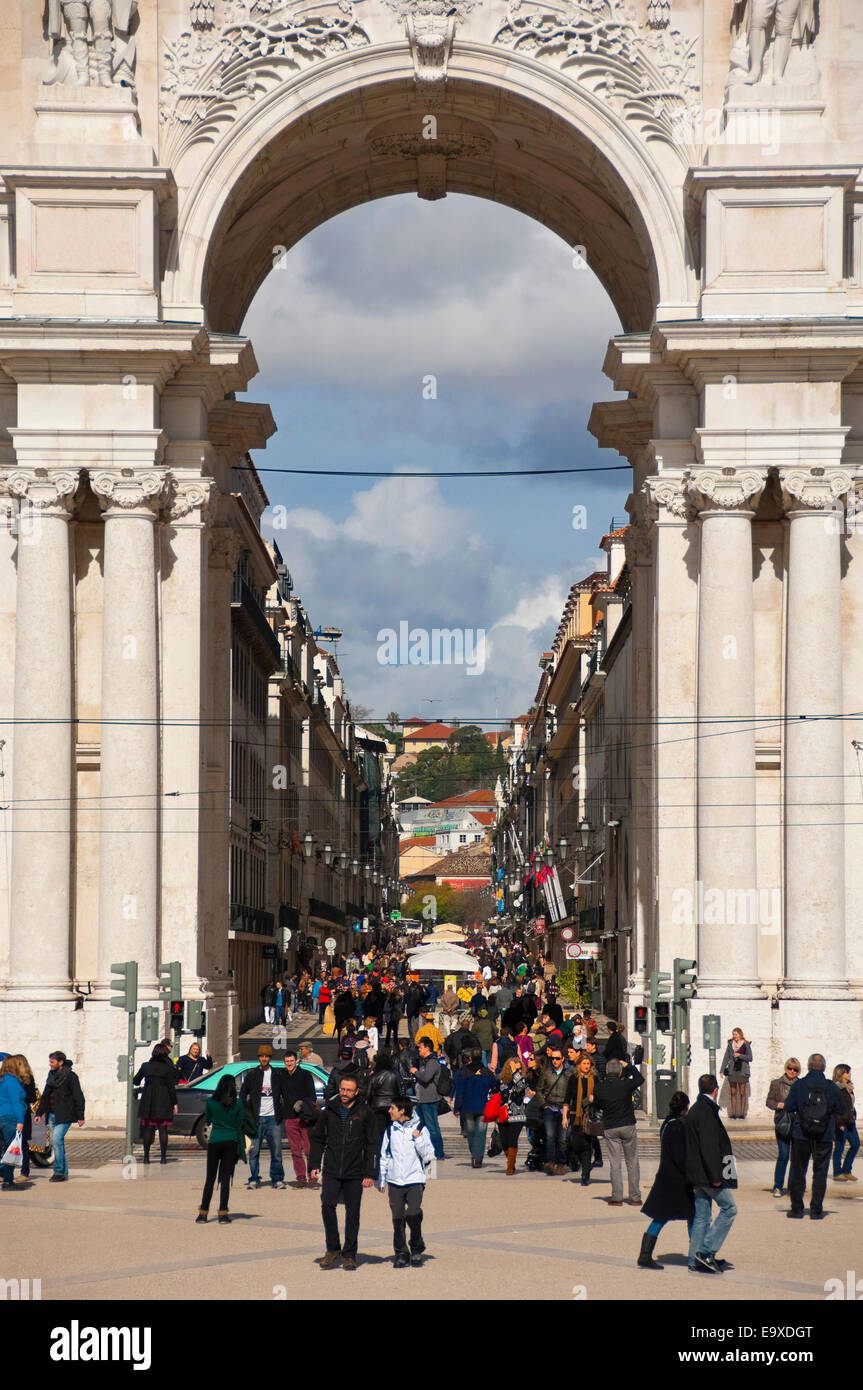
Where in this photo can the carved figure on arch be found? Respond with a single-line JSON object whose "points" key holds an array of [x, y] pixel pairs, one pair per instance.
{"points": [[759, 25], [92, 42]]}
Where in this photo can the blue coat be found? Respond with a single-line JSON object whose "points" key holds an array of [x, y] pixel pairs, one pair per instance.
{"points": [[797, 1099], [13, 1098], [472, 1090]]}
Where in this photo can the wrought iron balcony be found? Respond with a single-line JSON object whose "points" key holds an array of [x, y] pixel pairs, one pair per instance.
{"points": [[252, 919], [326, 912], [246, 604]]}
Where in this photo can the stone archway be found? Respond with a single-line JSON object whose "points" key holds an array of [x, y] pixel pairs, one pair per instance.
{"points": [[134, 231]]}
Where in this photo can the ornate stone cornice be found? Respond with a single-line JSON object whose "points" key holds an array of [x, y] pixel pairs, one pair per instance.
{"points": [[225, 546], [813, 489], [725, 489], [190, 495], [122, 490], [668, 495], [51, 491]]}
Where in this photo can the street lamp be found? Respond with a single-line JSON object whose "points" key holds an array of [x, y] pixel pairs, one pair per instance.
{"points": [[355, 865], [585, 831], [327, 854], [562, 847], [367, 872], [308, 845]]}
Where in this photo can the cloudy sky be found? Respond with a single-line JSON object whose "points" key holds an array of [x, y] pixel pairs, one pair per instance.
{"points": [[411, 336]]}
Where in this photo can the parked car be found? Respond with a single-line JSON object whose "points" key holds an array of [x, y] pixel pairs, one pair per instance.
{"points": [[192, 1099]]}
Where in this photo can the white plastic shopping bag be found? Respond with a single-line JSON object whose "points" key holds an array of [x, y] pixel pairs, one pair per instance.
{"points": [[15, 1153]]}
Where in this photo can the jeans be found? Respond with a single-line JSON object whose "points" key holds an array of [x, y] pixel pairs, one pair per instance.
{"points": [[221, 1158], [8, 1130], [784, 1153], [622, 1143], [554, 1146], [802, 1150], [475, 1128], [853, 1139], [430, 1120], [702, 1236], [58, 1135], [271, 1130], [350, 1191], [656, 1226], [299, 1140], [447, 1023]]}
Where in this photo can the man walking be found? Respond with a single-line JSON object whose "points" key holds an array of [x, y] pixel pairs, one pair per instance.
{"points": [[263, 1094], [474, 1084], [551, 1089], [449, 1005], [813, 1103], [62, 1100], [711, 1170], [425, 1076], [268, 1000], [299, 1096], [345, 1138], [613, 1095]]}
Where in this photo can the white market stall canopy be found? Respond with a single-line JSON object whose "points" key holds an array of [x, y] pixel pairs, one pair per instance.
{"points": [[448, 959]]}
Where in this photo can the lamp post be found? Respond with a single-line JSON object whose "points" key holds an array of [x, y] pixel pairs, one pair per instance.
{"points": [[308, 845]]}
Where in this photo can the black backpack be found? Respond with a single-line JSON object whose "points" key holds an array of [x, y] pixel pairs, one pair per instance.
{"points": [[443, 1081], [815, 1114]]}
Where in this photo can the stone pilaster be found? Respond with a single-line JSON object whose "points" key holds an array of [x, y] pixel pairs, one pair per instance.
{"points": [[815, 963], [727, 882]]}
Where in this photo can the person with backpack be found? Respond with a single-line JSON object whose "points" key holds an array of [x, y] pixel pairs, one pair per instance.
{"points": [[404, 1155], [426, 1075], [814, 1103], [777, 1095]]}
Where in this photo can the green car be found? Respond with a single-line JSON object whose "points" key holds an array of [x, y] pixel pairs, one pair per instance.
{"points": [[192, 1099]]}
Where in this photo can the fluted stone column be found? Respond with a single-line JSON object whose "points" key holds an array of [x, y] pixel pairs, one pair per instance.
{"points": [[727, 866], [43, 738], [129, 852], [815, 965]]}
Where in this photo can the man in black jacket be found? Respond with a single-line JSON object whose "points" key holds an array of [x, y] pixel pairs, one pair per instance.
{"points": [[813, 1131], [262, 1093], [614, 1095], [299, 1094], [347, 1134], [62, 1100], [711, 1169]]}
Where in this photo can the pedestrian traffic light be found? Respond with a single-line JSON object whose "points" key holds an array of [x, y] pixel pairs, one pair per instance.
{"points": [[123, 1066], [171, 981], [662, 1015], [684, 979], [641, 1020], [685, 1054], [195, 1015], [659, 1057], [177, 1015], [125, 988], [149, 1023]]}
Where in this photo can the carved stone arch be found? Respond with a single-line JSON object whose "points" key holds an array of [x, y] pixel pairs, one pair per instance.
{"points": [[589, 163]]}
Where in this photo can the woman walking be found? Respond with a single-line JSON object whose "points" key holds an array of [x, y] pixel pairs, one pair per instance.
{"points": [[13, 1112], [158, 1104], [776, 1098], [846, 1127], [670, 1197], [579, 1098], [384, 1089], [404, 1153], [513, 1085], [229, 1123], [18, 1065], [735, 1068]]}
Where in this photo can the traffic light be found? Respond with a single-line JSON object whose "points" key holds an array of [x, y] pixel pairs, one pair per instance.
{"points": [[125, 988], [684, 979], [195, 1015], [171, 981], [662, 1014], [685, 1054], [149, 1023], [660, 1054], [122, 1066], [177, 1015], [659, 985], [641, 1021]]}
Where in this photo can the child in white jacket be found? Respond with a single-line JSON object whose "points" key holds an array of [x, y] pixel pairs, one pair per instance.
{"points": [[405, 1151]]}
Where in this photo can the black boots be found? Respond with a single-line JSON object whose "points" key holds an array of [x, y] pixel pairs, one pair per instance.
{"points": [[645, 1258], [415, 1226]]}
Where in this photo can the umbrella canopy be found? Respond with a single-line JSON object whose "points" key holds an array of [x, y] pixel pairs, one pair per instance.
{"points": [[448, 959]]}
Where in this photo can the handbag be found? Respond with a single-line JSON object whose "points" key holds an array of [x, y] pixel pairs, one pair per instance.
{"points": [[783, 1122], [495, 1147], [592, 1122], [443, 1106], [492, 1108]]}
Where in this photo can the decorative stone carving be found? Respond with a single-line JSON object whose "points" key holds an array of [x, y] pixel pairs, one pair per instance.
{"points": [[763, 32], [202, 14], [210, 78], [189, 496], [46, 490], [92, 42], [129, 489], [658, 14], [648, 73], [225, 547], [728, 489], [670, 496], [409, 145], [813, 489]]}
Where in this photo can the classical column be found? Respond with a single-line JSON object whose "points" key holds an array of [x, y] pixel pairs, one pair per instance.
{"points": [[727, 885], [129, 853], [639, 557], [43, 738], [814, 737]]}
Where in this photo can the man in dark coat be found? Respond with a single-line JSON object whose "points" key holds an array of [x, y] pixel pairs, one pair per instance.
{"points": [[262, 1093], [62, 1101], [346, 1137], [813, 1131], [615, 1045], [298, 1090], [711, 1169]]}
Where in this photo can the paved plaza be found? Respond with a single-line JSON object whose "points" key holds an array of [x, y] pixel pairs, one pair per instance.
{"points": [[108, 1235]]}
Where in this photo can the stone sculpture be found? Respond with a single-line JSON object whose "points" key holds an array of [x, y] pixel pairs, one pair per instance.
{"points": [[92, 42], [758, 20]]}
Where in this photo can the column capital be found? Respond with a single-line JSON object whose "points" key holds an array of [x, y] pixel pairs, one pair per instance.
{"points": [[51, 491], [668, 495], [225, 547], [190, 495], [725, 489], [638, 539], [813, 489], [124, 490]]}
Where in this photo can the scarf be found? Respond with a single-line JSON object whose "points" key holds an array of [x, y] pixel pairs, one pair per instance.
{"points": [[583, 1093]]}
